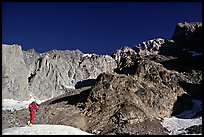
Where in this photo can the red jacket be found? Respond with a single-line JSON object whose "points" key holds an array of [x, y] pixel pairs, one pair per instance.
{"points": [[33, 107]]}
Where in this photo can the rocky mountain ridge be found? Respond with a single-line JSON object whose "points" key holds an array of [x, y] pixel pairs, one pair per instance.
{"points": [[146, 83], [45, 75]]}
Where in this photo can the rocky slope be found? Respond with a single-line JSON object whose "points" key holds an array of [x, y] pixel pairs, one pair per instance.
{"points": [[151, 81]]}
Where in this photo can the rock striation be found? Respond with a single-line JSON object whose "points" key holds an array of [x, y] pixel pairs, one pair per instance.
{"points": [[14, 73], [49, 74]]}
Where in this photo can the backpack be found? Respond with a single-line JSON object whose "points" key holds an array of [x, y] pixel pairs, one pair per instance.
{"points": [[33, 107]]}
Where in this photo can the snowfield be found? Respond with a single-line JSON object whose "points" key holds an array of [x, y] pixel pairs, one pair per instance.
{"points": [[44, 130], [177, 126]]}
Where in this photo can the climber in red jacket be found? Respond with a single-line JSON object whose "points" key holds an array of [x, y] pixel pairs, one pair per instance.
{"points": [[33, 107]]}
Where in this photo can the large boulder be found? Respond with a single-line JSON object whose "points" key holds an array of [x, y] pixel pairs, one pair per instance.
{"points": [[118, 100]]}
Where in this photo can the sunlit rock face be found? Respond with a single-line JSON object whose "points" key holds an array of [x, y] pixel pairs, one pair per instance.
{"points": [[150, 47], [46, 75], [14, 73]]}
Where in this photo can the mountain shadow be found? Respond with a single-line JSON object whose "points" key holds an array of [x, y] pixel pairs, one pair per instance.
{"points": [[194, 90], [188, 102], [85, 83], [184, 64], [73, 99], [182, 104]]}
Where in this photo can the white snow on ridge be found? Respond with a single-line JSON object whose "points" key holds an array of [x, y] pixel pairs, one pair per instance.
{"points": [[41, 129], [88, 55]]}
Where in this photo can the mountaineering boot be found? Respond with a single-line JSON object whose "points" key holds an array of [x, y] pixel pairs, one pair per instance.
{"points": [[29, 124]]}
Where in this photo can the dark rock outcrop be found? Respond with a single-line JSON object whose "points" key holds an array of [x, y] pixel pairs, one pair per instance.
{"points": [[124, 101], [189, 36], [126, 59], [197, 129]]}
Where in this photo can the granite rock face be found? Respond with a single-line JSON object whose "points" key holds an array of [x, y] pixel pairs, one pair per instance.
{"points": [[14, 73], [46, 75]]}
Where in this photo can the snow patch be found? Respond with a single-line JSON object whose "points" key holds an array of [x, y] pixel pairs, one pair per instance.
{"points": [[88, 55], [13, 105], [177, 124], [41, 129]]}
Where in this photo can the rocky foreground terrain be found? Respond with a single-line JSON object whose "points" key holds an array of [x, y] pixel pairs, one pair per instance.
{"points": [[127, 93]]}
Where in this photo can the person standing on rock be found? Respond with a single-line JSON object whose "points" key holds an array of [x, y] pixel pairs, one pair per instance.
{"points": [[33, 107]]}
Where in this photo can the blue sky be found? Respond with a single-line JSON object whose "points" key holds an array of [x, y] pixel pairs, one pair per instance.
{"points": [[92, 27]]}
